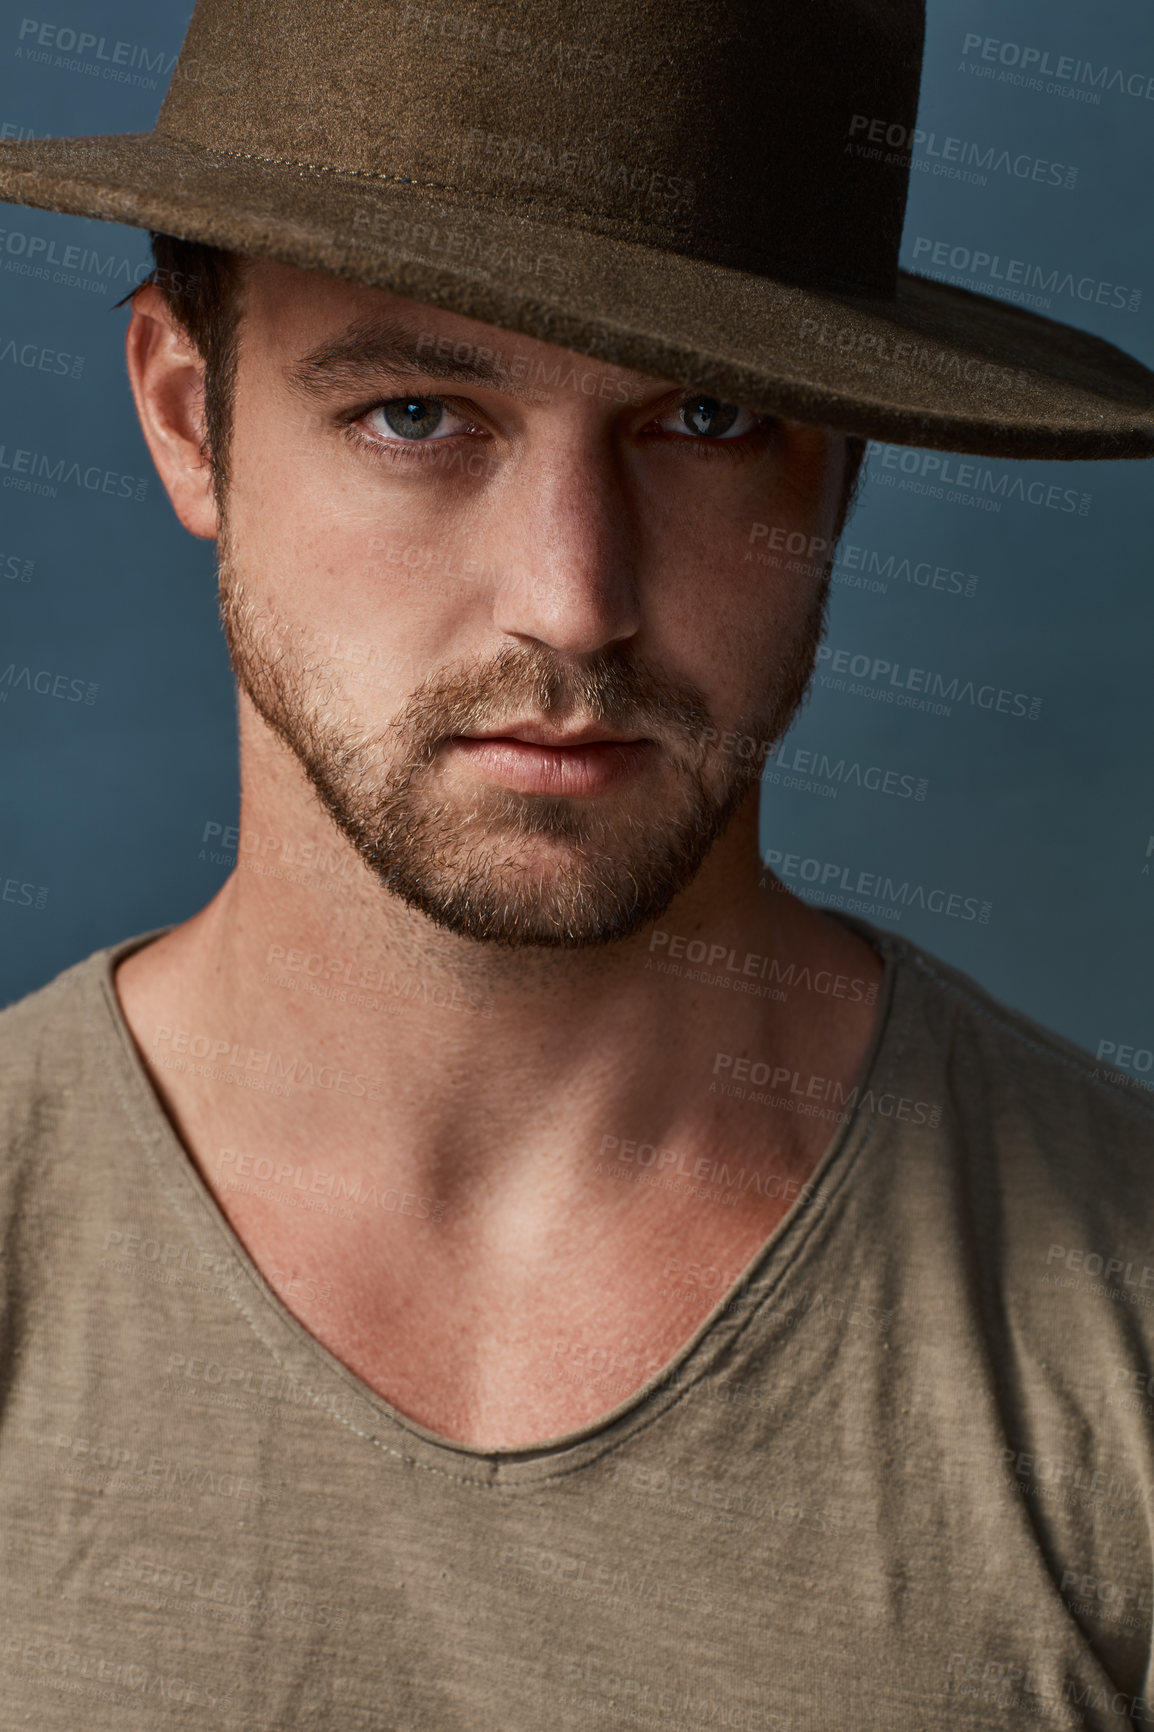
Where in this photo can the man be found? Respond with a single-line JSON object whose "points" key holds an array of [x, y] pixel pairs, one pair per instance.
{"points": [[507, 1261]]}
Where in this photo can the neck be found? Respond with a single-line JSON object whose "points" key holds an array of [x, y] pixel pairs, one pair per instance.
{"points": [[453, 1066]]}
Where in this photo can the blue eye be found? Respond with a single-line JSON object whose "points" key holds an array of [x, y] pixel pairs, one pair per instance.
{"points": [[708, 416], [413, 417]]}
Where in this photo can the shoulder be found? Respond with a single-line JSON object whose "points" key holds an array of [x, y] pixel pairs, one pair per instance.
{"points": [[58, 1051], [38, 1033], [1056, 1148], [1008, 1056]]}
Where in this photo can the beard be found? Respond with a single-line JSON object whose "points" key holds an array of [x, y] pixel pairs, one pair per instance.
{"points": [[496, 866]]}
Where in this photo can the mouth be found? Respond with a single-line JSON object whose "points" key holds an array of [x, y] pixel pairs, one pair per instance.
{"points": [[531, 758], [553, 739]]}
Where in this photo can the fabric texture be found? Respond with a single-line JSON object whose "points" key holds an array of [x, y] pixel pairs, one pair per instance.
{"points": [[689, 190], [901, 1477]]}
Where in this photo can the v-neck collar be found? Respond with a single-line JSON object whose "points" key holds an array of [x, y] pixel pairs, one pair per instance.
{"points": [[352, 1402]]}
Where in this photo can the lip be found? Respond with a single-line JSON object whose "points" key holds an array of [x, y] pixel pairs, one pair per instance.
{"points": [[528, 758], [535, 734]]}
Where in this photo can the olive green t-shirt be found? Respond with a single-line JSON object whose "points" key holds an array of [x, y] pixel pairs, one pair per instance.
{"points": [[901, 1477]]}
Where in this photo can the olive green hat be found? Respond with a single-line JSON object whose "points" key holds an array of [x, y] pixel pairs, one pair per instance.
{"points": [[685, 187]]}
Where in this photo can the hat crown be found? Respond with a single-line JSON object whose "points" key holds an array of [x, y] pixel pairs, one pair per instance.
{"points": [[720, 129]]}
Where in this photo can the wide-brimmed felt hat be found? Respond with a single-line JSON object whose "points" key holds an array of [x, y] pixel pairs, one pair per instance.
{"points": [[685, 187]]}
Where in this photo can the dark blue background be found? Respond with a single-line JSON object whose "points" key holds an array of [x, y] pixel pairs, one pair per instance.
{"points": [[105, 805]]}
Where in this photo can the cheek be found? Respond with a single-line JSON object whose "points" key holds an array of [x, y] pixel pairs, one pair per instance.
{"points": [[733, 585], [315, 536], [371, 593], [754, 524], [741, 571]]}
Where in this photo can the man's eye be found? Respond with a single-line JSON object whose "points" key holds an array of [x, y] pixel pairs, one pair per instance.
{"points": [[413, 420], [710, 418]]}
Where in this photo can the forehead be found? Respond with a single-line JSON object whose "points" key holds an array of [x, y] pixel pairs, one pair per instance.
{"points": [[327, 330]]}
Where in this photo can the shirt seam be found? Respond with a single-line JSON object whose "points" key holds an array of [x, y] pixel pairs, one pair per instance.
{"points": [[148, 1143]]}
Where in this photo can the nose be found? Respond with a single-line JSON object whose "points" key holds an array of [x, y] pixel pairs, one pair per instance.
{"points": [[569, 574]]}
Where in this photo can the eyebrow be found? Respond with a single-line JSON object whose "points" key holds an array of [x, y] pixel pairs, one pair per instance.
{"points": [[370, 347]]}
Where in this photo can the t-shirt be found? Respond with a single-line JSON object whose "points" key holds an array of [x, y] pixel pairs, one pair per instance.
{"points": [[901, 1477]]}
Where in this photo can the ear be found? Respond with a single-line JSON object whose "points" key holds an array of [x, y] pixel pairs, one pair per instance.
{"points": [[167, 377]]}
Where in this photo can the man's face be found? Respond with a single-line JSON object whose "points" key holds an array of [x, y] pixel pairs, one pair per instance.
{"points": [[502, 604]]}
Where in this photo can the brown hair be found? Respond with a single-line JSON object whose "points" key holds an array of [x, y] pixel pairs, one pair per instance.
{"points": [[203, 287]]}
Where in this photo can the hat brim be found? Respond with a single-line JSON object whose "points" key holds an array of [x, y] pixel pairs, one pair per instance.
{"points": [[931, 365]]}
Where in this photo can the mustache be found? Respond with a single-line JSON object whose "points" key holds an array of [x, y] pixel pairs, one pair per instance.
{"points": [[606, 687], [300, 696], [610, 688]]}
